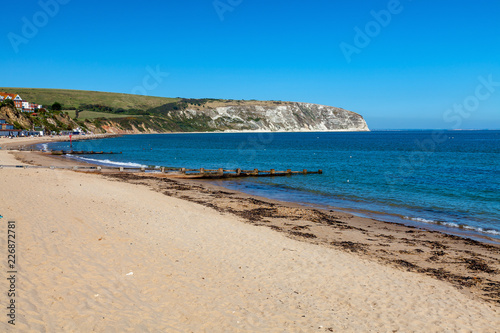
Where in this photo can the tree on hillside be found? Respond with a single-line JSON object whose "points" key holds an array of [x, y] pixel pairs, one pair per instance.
{"points": [[56, 106], [8, 102]]}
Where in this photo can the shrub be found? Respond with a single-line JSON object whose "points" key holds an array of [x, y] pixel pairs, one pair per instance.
{"points": [[56, 106]]}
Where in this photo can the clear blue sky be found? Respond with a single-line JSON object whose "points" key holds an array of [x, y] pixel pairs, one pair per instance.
{"points": [[415, 66]]}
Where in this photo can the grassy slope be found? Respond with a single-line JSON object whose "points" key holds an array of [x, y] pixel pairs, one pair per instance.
{"points": [[73, 98], [93, 115]]}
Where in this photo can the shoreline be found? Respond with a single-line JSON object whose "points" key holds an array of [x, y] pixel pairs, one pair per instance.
{"points": [[26, 142], [460, 231]]}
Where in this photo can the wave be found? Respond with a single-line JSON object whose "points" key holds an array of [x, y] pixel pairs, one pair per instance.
{"points": [[455, 225], [107, 162]]}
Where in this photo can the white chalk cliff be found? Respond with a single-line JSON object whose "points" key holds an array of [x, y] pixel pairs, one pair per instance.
{"points": [[286, 117]]}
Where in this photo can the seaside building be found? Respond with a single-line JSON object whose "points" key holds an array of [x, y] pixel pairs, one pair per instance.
{"points": [[30, 107], [38, 131], [8, 129], [12, 132], [4, 125], [21, 104], [18, 101]]}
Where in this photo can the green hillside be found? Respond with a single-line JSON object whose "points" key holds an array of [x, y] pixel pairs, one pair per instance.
{"points": [[90, 115], [75, 98]]}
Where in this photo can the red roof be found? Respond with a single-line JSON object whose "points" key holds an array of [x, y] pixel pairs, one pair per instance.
{"points": [[4, 94]]}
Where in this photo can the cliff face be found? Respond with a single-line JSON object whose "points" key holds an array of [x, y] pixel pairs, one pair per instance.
{"points": [[23, 120], [12, 116], [287, 117], [216, 116]]}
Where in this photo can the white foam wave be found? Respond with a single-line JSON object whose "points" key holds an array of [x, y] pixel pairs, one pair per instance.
{"points": [[455, 225], [449, 224], [489, 231], [108, 162], [418, 219]]}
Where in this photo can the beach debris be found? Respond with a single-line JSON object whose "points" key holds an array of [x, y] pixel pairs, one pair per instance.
{"points": [[408, 265], [302, 234], [350, 246], [476, 264], [128, 274]]}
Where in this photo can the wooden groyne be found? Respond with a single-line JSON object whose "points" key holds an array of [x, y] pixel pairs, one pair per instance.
{"points": [[235, 173], [177, 172]]}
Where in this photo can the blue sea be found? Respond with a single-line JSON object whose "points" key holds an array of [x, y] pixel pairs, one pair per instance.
{"points": [[446, 180]]}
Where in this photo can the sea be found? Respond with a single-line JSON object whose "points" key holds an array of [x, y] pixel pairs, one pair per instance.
{"points": [[443, 180]]}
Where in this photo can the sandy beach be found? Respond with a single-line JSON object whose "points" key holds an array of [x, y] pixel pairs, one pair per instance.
{"points": [[136, 253], [25, 142]]}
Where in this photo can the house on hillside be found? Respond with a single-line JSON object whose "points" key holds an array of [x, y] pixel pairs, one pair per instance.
{"points": [[30, 107], [18, 101]]}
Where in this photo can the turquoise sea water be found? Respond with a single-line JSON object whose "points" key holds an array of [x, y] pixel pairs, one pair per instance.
{"points": [[447, 179]]}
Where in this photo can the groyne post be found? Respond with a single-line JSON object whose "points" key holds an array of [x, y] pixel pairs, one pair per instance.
{"points": [[220, 172], [238, 171], [273, 171]]}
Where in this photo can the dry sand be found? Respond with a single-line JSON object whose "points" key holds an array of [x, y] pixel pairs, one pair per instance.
{"points": [[96, 254], [25, 141]]}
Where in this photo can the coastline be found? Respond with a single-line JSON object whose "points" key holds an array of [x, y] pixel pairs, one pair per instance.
{"points": [[455, 230], [26, 142], [191, 256], [446, 228]]}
